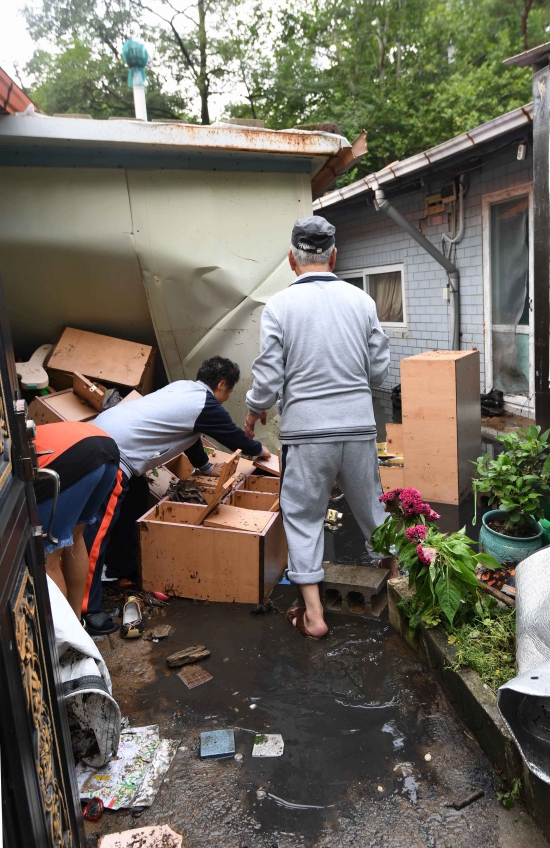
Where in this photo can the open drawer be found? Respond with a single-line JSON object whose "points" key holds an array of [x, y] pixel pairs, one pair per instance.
{"points": [[216, 563]]}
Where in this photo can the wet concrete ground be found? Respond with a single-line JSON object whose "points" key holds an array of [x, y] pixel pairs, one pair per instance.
{"points": [[358, 713]]}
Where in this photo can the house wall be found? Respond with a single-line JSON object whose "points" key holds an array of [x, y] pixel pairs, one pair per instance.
{"points": [[367, 238]]}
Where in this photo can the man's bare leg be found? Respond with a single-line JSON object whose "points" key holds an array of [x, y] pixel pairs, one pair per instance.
{"points": [[76, 566], [313, 618]]}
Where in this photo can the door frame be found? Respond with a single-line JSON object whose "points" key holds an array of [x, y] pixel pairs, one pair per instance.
{"points": [[517, 404]]}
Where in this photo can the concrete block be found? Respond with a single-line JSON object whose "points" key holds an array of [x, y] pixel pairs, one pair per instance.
{"points": [[354, 590]]}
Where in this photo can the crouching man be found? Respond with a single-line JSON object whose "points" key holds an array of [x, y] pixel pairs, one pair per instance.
{"points": [[322, 347], [149, 432]]}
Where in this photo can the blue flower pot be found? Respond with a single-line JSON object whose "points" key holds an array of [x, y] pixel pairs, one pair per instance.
{"points": [[503, 547]]}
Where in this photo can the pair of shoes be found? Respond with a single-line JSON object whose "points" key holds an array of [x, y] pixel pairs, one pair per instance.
{"points": [[296, 613], [99, 624], [132, 624]]}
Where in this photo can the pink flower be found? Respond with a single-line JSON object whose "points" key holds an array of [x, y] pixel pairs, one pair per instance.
{"points": [[425, 555], [428, 512], [417, 533], [390, 496], [411, 501]]}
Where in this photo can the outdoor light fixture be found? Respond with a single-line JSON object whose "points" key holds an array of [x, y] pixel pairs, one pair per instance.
{"points": [[522, 151], [136, 57]]}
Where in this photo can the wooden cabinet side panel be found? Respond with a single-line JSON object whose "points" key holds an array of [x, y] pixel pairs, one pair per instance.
{"points": [[199, 562], [275, 555], [428, 393], [468, 419]]}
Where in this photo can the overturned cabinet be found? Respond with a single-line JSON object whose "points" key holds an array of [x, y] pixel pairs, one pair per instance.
{"points": [[230, 548]]}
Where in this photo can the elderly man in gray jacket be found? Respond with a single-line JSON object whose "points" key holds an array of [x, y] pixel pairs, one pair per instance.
{"points": [[321, 350]]}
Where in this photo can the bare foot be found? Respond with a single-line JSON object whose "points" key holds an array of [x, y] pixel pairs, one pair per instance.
{"points": [[315, 624]]}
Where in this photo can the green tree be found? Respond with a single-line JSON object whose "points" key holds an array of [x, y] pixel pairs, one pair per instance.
{"points": [[193, 42], [94, 81]]}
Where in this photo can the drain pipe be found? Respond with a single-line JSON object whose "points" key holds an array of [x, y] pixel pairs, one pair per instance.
{"points": [[452, 271]]}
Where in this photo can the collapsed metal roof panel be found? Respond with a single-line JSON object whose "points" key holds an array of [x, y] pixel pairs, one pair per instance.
{"points": [[420, 161], [43, 131]]}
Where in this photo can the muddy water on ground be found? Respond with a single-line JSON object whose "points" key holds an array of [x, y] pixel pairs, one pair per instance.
{"points": [[357, 712]]}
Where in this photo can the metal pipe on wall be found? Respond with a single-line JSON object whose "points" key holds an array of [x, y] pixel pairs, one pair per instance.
{"points": [[383, 204]]}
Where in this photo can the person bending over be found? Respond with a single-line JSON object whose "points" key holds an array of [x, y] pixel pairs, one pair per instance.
{"points": [[151, 431], [86, 460]]}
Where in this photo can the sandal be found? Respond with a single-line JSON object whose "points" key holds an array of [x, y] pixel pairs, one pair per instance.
{"points": [[132, 625], [99, 624], [295, 616]]}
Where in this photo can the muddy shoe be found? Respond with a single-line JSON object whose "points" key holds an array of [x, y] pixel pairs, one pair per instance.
{"points": [[99, 624], [132, 625]]}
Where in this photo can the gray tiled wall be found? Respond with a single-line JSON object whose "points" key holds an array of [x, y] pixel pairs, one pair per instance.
{"points": [[366, 237]]}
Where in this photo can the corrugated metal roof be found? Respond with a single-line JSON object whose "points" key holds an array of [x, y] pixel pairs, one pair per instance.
{"points": [[448, 149]]}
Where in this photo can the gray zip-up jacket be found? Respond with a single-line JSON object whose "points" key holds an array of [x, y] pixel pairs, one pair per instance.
{"points": [[159, 426], [322, 348]]}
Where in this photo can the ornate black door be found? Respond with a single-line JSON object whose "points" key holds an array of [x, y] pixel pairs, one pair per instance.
{"points": [[40, 805]]}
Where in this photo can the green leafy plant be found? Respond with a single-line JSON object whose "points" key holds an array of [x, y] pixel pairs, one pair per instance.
{"points": [[441, 566], [488, 645], [518, 480], [508, 793]]}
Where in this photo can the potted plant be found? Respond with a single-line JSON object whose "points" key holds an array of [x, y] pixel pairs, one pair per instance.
{"points": [[441, 566], [517, 483]]}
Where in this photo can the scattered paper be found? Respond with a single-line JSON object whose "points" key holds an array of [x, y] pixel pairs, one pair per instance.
{"points": [[142, 760], [194, 675], [268, 745]]}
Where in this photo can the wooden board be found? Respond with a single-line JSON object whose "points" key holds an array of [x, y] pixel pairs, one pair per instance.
{"points": [[392, 478], [394, 438], [254, 500], [98, 357], [236, 518], [60, 406], [200, 562], [91, 393], [274, 555], [271, 465], [257, 483], [438, 390], [133, 395]]}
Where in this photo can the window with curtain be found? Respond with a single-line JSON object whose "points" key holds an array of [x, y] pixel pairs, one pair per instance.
{"points": [[385, 286]]}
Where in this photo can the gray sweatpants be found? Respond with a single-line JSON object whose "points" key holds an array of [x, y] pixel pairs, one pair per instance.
{"points": [[309, 474]]}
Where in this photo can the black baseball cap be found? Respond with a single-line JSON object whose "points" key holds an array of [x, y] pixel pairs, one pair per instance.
{"points": [[313, 234]]}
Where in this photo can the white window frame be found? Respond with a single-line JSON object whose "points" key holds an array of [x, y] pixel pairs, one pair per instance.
{"points": [[518, 404], [382, 269]]}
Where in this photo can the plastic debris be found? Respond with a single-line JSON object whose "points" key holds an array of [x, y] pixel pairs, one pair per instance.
{"points": [[427, 757], [268, 745], [253, 706], [261, 794], [290, 805], [217, 743], [239, 758], [93, 809]]}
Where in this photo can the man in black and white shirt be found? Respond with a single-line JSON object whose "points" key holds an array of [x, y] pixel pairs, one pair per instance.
{"points": [[321, 350], [149, 432]]}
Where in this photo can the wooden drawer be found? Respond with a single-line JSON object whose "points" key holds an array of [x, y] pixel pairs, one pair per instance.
{"points": [[212, 563]]}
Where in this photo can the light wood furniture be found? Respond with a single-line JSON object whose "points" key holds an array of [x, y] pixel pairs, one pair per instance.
{"points": [[441, 422], [115, 362], [232, 549], [60, 406]]}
